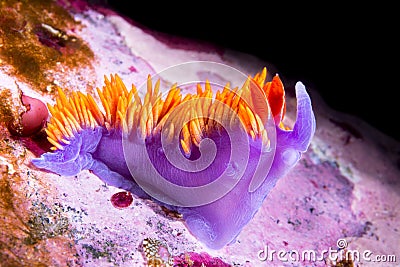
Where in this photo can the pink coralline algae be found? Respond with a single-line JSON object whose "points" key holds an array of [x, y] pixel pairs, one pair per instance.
{"points": [[32, 120], [194, 259], [136, 142], [157, 254]]}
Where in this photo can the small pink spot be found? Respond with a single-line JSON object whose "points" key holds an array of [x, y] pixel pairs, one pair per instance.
{"points": [[314, 183], [122, 200], [132, 69]]}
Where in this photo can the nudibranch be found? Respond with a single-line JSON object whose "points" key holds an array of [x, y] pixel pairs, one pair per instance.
{"points": [[128, 140]]}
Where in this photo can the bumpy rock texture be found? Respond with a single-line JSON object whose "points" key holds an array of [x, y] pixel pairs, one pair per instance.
{"points": [[346, 186]]}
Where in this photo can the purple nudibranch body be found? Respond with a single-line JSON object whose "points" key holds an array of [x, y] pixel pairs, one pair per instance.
{"points": [[86, 138]]}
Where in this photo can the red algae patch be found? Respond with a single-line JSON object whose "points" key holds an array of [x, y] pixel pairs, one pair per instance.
{"points": [[194, 259], [122, 200]]}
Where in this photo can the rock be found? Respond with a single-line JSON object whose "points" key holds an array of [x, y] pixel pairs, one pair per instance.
{"points": [[343, 193]]}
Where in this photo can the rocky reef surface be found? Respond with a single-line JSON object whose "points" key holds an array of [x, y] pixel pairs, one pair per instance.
{"points": [[343, 195]]}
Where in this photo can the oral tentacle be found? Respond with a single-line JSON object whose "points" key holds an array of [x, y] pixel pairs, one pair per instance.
{"points": [[74, 156]]}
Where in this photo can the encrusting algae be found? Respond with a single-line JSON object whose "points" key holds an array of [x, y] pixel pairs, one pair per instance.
{"points": [[34, 39], [27, 222]]}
